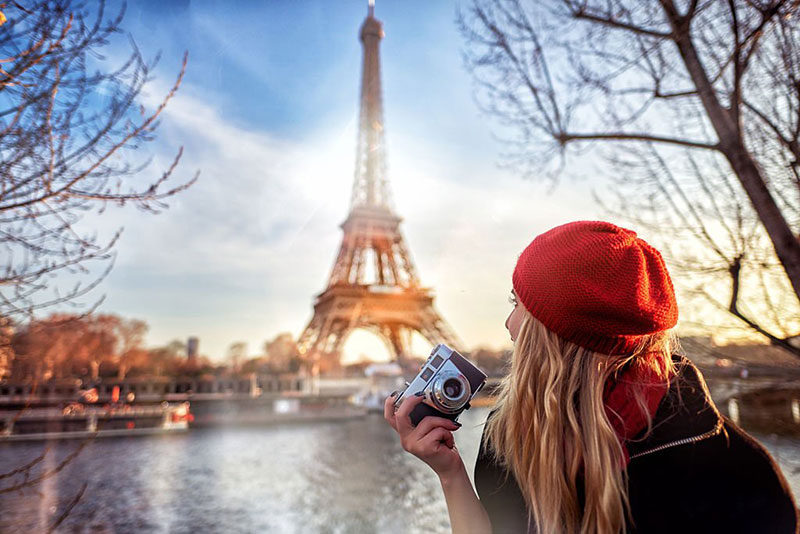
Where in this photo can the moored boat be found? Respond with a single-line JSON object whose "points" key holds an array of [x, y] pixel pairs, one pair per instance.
{"points": [[77, 420], [248, 400]]}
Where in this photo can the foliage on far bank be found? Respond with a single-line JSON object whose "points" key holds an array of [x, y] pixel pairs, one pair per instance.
{"points": [[106, 345], [93, 346]]}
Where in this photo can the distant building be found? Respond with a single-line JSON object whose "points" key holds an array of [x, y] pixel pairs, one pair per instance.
{"points": [[192, 345], [6, 352]]}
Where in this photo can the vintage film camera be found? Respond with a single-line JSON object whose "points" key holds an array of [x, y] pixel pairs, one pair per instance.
{"points": [[448, 380]]}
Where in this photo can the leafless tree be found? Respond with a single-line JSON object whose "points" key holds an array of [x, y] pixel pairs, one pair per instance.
{"points": [[709, 234], [68, 124], [282, 354], [131, 334], [237, 353], [695, 103]]}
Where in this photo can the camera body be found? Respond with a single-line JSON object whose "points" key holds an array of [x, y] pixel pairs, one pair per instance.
{"points": [[448, 382]]}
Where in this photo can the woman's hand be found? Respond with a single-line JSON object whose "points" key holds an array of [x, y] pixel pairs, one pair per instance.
{"points": [[431, 440]]}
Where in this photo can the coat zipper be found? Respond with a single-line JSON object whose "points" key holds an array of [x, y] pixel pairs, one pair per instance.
{"points": [[705, 435], [711, 433]]}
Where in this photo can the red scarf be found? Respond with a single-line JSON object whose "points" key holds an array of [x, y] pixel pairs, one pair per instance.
{"points": [[627, 419]]}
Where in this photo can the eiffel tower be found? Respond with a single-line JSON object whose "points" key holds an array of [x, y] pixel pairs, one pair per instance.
{"points": [[373, 285]]}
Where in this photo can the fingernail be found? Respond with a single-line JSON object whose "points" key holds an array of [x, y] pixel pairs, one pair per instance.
{"points": [[457, 424], [394, 393], [419, 393]]}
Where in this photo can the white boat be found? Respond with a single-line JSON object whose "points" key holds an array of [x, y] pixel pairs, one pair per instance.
{"points": [[384, 378]]}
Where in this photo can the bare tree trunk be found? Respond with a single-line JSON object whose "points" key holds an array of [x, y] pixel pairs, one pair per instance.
{"points": [[728, 130], [787, 245]]}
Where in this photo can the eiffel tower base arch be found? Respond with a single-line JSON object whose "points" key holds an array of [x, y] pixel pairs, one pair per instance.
{"points": [[391, 313]]}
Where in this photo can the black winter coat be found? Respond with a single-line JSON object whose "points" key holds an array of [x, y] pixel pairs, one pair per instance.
{"points": [[696, 472]]}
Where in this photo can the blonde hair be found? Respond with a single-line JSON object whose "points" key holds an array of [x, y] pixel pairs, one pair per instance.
{"points": [[550, 428]]}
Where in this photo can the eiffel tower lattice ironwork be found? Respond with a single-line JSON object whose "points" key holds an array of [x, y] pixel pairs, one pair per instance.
{"points": [[373, 285]]}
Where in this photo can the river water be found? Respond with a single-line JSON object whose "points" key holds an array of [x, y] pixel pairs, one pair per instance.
{"points": [[339, 477]]}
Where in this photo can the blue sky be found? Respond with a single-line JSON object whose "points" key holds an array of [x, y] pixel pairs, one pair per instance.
{"points": [[267, 113]]}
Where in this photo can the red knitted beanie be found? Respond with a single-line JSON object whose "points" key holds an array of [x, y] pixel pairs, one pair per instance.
{"points": [[597, 285]]}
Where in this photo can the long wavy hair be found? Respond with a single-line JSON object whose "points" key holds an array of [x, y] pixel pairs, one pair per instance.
{"points": [[551, 431]]}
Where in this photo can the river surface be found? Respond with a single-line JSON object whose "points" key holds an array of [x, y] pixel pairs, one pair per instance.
{"points": [[340, 477]]}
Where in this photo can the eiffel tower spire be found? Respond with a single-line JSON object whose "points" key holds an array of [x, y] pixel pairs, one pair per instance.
{"points": [[371, 187], [373, 284]]}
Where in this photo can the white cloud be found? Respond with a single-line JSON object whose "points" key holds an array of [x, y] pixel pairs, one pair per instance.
{"points": [[241, 255]]}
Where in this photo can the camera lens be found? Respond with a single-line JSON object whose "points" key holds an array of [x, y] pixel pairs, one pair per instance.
{"points": [[450, 391], [452, 388]]}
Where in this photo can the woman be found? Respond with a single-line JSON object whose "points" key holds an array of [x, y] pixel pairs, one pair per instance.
{"points": [[599, 427]]}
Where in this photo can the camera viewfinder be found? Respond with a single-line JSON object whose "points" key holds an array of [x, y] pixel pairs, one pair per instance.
{"points": [[437, 361]]}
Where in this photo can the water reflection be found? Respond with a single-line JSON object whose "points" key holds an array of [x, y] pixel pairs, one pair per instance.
{"points": [[348, 477], [330, 477]]}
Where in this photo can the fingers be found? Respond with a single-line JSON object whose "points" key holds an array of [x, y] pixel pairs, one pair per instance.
{"points": [[388, 409], [437, 437], [430, 422], [429, 438], [401, 418], [428, 444]]}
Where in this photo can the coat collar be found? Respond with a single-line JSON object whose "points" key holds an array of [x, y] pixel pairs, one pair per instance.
{"points": [[686, 413]]}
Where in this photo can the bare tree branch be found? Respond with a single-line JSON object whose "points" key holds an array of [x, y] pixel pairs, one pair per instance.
{"points": [[68, 508], [711, 90], [32, 481], [62, 148], [618, 136]]}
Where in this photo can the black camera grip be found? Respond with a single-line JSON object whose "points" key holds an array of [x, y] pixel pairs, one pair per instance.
{"points": [[422, 410]]}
